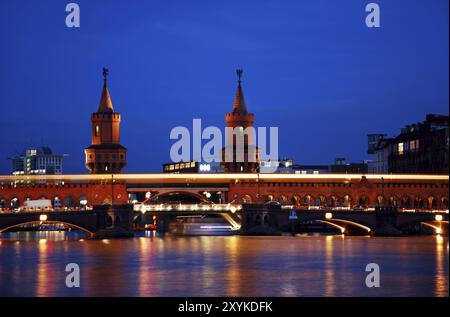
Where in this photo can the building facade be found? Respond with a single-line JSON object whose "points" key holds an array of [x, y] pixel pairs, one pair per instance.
{"points": [[420, 148], [39, 160], [105, 155]]}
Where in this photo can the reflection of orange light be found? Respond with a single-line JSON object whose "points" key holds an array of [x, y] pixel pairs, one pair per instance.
{"points": [[436, 228]]}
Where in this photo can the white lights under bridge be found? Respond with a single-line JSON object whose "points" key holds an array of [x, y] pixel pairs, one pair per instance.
{"points": [[188, 207]]}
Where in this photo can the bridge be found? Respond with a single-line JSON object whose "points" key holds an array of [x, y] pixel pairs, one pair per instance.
{"points": [[273, 219], [101, 221]]}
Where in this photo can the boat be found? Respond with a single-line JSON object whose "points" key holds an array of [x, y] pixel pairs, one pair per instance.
{"points": [[201, 226]]}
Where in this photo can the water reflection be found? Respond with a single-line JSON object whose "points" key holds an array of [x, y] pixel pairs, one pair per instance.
{"points": [[33, 264]]}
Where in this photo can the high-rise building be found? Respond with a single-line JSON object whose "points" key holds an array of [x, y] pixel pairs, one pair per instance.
{"points": [[39, 160], [240, 154], [105, 155]]}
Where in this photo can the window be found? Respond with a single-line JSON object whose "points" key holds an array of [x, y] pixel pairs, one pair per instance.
{"points": [[414, 145], [97, 130], [400, 149]]}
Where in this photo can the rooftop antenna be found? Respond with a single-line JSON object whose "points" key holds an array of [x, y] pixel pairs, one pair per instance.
{"points": [[105, 74], [239, 72]]}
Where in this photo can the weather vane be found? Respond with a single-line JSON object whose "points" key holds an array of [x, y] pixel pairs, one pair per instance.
{"points": [[105, 73], [239, 72]]}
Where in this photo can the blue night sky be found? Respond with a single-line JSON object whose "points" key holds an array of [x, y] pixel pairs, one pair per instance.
{"points": [[312, 68]]}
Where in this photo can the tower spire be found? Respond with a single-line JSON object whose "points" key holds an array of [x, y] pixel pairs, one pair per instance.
{"points": [[105, 104], [239, 105]]}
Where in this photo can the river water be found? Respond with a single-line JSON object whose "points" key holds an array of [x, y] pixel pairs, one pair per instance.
{"points": [[33, 264]]}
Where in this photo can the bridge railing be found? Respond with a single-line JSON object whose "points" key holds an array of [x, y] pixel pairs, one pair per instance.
{"points": [[188, 207]]}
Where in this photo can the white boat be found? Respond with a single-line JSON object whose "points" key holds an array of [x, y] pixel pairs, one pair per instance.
{"points": [[201, 226]]}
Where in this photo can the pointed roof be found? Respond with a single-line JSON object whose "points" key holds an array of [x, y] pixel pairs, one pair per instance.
{"points": [[239, 105], [105, 104]]}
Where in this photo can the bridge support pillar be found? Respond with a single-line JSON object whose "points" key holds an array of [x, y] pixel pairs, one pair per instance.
{"points": [[114, 221], [258, 219]]}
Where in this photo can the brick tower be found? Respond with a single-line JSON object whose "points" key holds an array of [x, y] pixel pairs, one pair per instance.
{"points": [[105, 155], [243, 158]]}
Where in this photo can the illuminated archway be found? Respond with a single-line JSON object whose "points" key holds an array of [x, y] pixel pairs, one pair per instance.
{"points": [[363, 201], [68, 202], [321, 201], [282, 199], [406, 202], [444, 202], [295, 200], [346, 201], [431, 203], [177, 198], [334, 202], [71, 225], [419, 203], [380, 201], [393, 201], [308, 200], [56, 202], [268, 198]]}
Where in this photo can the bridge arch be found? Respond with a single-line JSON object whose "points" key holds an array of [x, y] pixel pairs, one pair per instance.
{"points": [[71, 225], [431, 202], [419, 202], [347, 201], [344, 224], [322, 200], [2, 203], [308, 200], [68, 202], [444, 202], [363, 201], [406, 202], [334, 201], [282, 199], [177, 196], [393, 201], [56, 202], [295, 200], [380, 201]]}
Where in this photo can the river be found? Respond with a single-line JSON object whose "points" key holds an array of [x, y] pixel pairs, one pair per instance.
{"points": [[33, 264]]}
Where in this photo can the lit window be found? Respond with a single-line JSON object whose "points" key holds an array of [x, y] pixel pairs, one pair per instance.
{"points": [[97, 130], [400, 149]]}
